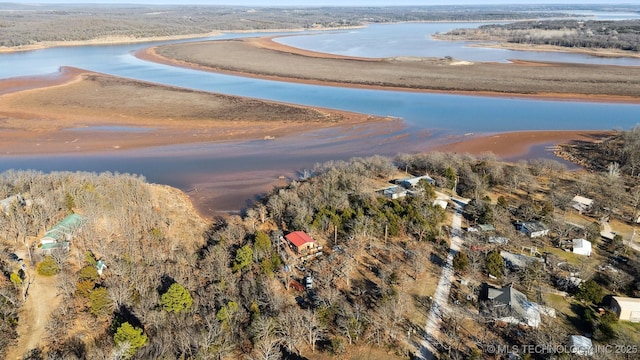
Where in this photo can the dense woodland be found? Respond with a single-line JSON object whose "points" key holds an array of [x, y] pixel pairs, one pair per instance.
{"points": [[621, 34], [178, 288], [24, 24]]}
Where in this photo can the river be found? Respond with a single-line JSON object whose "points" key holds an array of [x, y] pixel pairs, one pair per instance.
{"points": [[235, 171]]}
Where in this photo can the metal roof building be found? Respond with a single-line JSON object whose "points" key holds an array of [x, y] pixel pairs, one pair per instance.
{"points": [[63, 231]]}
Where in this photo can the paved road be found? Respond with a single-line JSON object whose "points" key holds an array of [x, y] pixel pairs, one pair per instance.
{"points": [[440, 305]]}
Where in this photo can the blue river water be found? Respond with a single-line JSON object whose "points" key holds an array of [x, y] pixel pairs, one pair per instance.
{"points": [[216, 166]]}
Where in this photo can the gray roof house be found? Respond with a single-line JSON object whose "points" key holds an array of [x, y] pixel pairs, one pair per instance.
{"points": [[532, 229], [522, 311], [581, 203], [394, 192], [413, 181]]}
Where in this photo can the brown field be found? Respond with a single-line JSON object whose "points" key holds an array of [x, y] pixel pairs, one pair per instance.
{"points": [[264, 58]]}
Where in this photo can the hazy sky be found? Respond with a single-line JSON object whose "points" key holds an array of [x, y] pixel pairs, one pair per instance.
{"points": [[334, 2]]}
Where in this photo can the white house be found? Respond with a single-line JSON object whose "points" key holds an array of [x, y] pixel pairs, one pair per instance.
{"points": [[582, 247], [627, 309]]}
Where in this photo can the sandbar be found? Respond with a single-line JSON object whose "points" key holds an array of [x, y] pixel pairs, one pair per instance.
{"points": [[265, 58], [518, 144], [80, 112]]}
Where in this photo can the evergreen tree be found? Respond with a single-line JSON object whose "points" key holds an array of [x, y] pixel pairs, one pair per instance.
{"points": [[495, 264], [177, 299], [129, 337], [243, 259]]}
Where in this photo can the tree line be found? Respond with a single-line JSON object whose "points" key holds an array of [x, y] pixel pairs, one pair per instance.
{"points": [[24, 25], [597, 34]]}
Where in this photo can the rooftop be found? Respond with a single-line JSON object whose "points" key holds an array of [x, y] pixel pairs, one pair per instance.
{"points": [[299, 238], [628, 301], [582, 200], [63, 230]]}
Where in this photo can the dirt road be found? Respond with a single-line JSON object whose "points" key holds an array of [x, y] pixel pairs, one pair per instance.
{"points": [[440, 306], [42, 300]]}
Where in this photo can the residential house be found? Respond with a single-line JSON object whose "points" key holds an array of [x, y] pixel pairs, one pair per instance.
{"points": [[300, 242], [582, 247], [510, 305], [627, 309], [64, 230], [414, 180], [532, 229], [581, 203], [394, 192]]}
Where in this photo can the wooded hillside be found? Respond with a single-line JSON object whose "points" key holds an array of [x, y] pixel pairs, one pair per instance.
{"points": [[622, 34]]}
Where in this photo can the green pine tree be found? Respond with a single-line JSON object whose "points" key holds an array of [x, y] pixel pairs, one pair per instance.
{"points": [[129, 336], [177, 299]]}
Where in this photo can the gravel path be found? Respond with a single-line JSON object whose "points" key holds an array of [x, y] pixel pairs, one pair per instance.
{"points": [[440, 305]]}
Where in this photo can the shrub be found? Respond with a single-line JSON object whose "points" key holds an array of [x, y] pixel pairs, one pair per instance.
{"points": [[100, 302], [88, 273], [460, 262], [590, 291], [48, 267]]}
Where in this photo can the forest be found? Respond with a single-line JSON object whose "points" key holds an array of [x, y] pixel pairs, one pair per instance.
{"points": [[621, 34], [25, 24], [176, 286]]}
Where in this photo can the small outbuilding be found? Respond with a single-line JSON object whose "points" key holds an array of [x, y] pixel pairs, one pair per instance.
{"points": [[440, 202], [580, 345], [394, 192], [581, 203], [582, 247], [532, 229], [627, 309], [301, 242]]}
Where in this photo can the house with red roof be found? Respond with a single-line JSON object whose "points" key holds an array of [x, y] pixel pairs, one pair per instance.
{"points": [[300, 242]]}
